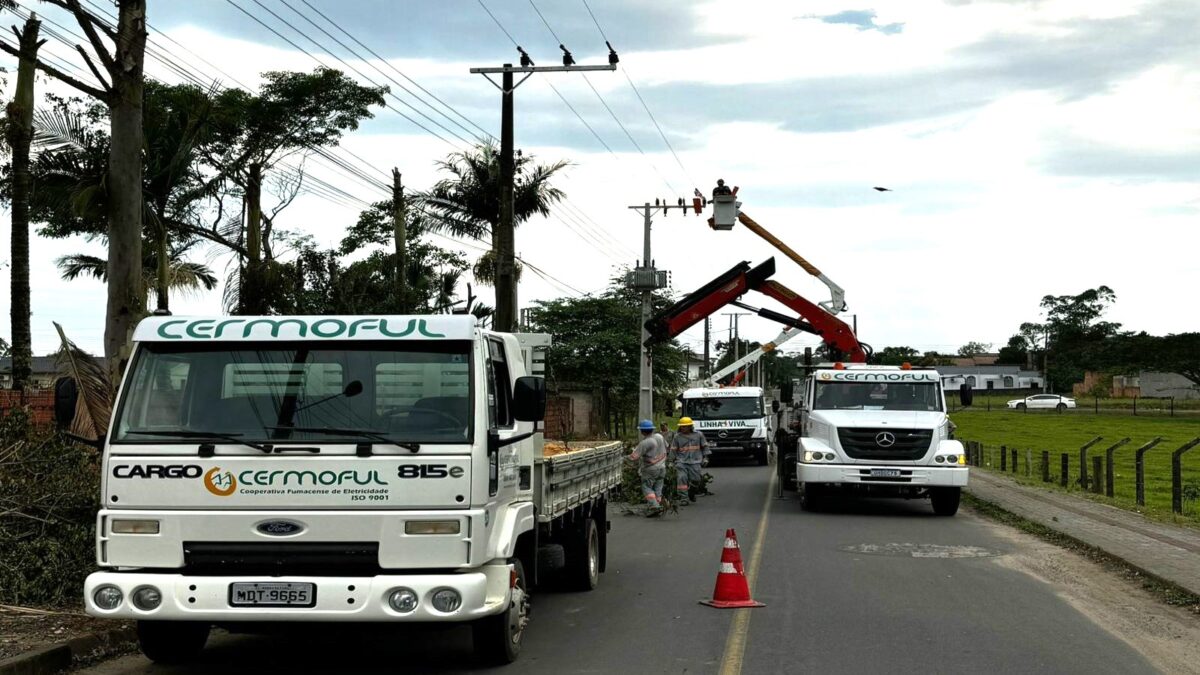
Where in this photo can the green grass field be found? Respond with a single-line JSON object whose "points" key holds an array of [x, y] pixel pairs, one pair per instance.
{"points": [[1066, 433]]}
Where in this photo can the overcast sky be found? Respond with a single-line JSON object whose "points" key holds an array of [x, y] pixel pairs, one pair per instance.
{"points": [[1033, 146]]}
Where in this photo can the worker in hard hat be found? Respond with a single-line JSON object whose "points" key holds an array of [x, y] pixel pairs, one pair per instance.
{"points": [[689, 451], [651, 458]]}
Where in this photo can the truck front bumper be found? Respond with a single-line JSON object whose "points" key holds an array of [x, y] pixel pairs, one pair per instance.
{"points": [[921, 476], [747, 447], [207, 598]]}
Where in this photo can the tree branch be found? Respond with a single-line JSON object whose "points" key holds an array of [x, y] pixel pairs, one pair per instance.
{"points": [[95, 20], [59, 75], [88, 60], [85, 22]]}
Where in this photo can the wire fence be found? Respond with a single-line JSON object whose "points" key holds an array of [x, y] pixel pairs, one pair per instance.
{"points": [[1136, 406]]}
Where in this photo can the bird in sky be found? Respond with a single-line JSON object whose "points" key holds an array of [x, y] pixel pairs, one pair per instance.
{"points": [[882, 189]]}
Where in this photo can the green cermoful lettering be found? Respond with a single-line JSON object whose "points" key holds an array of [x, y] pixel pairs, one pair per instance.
{"points": [[291, 328]]}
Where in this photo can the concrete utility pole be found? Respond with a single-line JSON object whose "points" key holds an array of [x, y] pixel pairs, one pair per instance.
{"points": [[400, 232], [707, 368], [505, 317], [647, 279], [734, 346]]}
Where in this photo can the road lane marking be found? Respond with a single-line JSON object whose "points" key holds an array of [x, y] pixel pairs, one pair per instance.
{"points": [[739, 628]]}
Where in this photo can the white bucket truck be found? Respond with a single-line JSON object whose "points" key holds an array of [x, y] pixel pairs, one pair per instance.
{"points": [[734, 420], [335, 468], [878, 431]]}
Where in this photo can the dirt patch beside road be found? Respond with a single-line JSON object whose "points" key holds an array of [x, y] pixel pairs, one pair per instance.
{"points": [[1169, 637], [23, 630]]}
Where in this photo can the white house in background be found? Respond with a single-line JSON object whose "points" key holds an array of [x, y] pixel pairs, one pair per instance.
{"points": [[984, 378], [695, 366]]}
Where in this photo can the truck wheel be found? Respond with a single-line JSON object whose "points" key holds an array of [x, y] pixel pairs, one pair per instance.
{"points": [[760, 456], [497, 639], [583, 558], [171, 642], [945, 500], [810, 498]]}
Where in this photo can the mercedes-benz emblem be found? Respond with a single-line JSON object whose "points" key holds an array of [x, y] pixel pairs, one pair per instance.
{"points": [[885, 439], [723, 434]]}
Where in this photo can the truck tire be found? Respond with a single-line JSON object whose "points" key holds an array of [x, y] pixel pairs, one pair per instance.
{"points": [[810, 497], [760, 457], [171, 642], [497, 639], [583, 557], [945, 500]]}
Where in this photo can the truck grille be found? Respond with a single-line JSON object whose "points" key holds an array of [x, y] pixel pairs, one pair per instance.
{"points": [[907, 444], [714, 435], [315, 558]]}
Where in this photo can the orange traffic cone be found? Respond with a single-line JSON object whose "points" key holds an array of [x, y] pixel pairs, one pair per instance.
{"points": [[732, 590]]}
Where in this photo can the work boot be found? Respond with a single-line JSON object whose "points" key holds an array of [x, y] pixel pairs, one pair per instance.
{"points": [[691, 493]]}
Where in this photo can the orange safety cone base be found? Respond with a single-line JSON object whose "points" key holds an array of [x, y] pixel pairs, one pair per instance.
{"points": [[731, 604]]}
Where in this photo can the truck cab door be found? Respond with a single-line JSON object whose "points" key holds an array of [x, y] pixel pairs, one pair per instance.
{"points": [[503, 461]]}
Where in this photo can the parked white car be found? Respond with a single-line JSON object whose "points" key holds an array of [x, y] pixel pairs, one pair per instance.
{"points": [[1042, 401]]}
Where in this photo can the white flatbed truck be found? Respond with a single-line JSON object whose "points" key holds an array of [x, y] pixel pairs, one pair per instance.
{"points": [[260, 470]]}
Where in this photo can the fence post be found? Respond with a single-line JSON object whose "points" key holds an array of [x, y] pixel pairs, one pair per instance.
{"points": [[1083, 467], [1135, 406], [1097, 473], [1172, 406], [1097, 405], [1066, 467], [1003, 458], [1108, 467], [1028, 461], [1045, 466], [1139, 471], [1177, 475], [1014, 460]]}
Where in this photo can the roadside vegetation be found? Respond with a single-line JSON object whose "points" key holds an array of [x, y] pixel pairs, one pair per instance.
{"points": [[1068, 432]]}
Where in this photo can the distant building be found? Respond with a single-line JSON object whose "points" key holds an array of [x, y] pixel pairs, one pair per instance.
{"points": [[695, 366], [44, 372], [977, 360], [989, 377]]}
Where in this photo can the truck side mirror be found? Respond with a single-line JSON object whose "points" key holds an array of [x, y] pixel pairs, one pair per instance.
{"points": [[965, 395], [66, 398], [529, 399]]}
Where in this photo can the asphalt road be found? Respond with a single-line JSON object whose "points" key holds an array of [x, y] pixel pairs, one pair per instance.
{"points": [[844, 594]]}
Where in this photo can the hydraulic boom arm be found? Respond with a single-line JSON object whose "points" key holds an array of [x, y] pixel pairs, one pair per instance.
{"points": [[728, 287]]}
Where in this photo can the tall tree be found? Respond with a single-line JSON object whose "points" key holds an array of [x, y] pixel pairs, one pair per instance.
{"points": [[292, 113], [895, 356], [20, 135], [974, 348], [122, 93]]}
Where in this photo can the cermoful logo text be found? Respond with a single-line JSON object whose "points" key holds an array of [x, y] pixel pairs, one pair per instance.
{"points": [[212, 329]]}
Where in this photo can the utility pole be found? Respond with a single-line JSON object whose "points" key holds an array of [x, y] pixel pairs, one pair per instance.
{"points": [[400, 232], [734, 347], [707, 368], [503, 238], [647, 279]]}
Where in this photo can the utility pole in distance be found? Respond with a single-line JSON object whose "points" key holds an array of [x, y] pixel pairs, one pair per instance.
{"points": [[707, 367], [400, 233], [505, 318], [647, 279]]}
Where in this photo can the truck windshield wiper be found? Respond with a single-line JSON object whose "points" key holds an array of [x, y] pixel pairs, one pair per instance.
{"points": [[202, 435], [365, 433]]}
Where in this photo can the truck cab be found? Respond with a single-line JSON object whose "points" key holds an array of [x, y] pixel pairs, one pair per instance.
{"points": [[321, 468], [734, 420], [878, 431]]}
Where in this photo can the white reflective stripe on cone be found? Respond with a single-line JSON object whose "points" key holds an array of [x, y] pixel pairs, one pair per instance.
{"points": [[727, 568], [730, 543]]}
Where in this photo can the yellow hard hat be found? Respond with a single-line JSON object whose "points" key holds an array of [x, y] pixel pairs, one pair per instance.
{"points": [[685, 421]]}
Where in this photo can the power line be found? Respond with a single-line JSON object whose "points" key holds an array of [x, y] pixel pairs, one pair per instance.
{"points": [[398, 71], [539, 13], [629, 79]]}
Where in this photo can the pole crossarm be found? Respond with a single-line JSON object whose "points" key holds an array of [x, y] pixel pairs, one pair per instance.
{"points": [[540, 69]]}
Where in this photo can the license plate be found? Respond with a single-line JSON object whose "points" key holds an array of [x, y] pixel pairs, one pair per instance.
{"points": [[272, 594], [885, 473]]}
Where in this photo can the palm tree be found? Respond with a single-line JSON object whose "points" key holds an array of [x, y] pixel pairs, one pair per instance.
{"points": [[467, 203], [183, 275]]}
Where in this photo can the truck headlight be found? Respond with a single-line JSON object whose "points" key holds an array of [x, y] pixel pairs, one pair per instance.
{"points": [[446, 600], [432, 527], [107, 597], [403, 600], [146, 598], [123, 526], [808, 455]]}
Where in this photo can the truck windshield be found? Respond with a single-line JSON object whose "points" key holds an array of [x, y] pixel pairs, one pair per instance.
{"points": [[416, 392], [924, 396], [743, 407]]}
